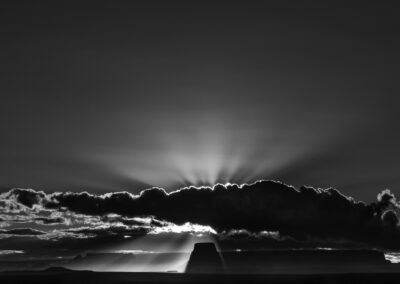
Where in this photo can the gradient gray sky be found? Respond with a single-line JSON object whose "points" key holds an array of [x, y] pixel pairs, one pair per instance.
{"points": [[124, 95]]}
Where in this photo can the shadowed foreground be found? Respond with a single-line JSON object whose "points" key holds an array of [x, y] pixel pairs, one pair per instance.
{"points": [[205, 258], [207, 265], [108, 277]]}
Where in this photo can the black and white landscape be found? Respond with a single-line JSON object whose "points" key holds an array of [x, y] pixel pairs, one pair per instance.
{"points": [[199, 141]]}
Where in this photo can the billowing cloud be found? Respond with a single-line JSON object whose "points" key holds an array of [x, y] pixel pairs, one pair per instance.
{"points": [[265, 206]]}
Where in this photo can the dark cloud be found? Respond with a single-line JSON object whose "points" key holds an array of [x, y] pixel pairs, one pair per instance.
{"points": [[27, 197], [325, 214], [390, 218], [22, 232], [50, 220]]}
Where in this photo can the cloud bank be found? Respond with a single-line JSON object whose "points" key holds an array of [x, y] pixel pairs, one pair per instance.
{"points": [[265, 206]]}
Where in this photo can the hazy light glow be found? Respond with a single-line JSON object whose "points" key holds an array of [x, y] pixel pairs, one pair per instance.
{"points": [[165, 251]]}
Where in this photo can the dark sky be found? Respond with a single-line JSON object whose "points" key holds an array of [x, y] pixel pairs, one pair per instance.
{"points": [[126, 95]]}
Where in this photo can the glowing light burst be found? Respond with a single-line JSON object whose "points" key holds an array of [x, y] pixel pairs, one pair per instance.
{"points": [[164, 248], [210, 149]]}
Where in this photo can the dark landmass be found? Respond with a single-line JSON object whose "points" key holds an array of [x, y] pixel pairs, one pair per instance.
{"points": [[306, 261], [58, 269], [78, 277], [207, 265], [206, 259]]}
